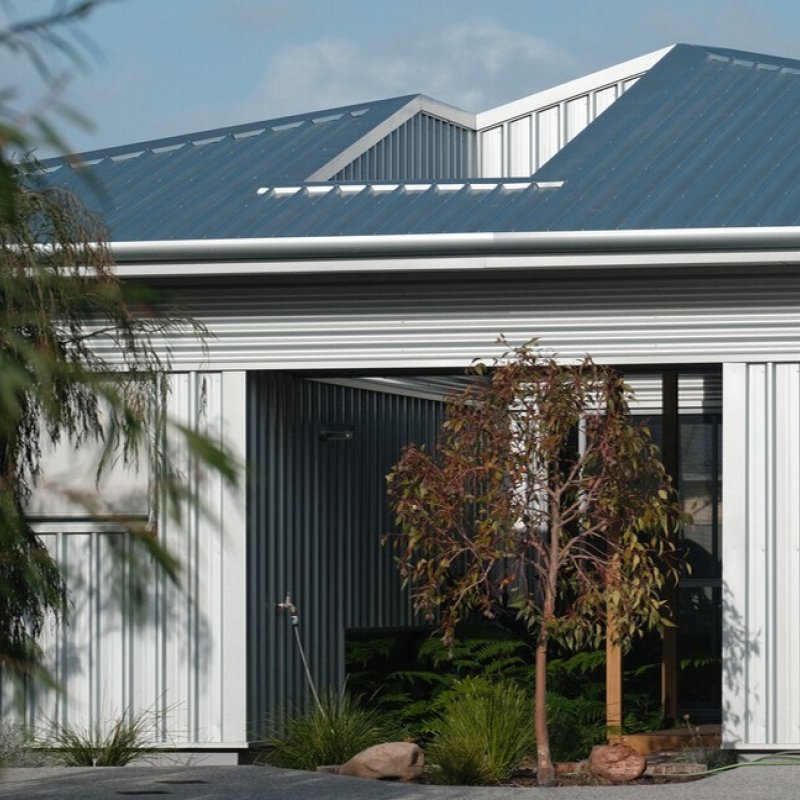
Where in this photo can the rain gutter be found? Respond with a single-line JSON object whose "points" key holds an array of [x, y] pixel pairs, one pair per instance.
{"points": [[389, 253]]}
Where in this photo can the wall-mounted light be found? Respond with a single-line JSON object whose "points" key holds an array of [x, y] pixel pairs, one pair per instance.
{"points": [[336, 433]]}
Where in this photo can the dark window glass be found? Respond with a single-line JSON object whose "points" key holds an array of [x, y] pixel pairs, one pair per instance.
{"points": [[700, 490]]}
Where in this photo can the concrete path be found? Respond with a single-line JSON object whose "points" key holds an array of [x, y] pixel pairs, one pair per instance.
{"points": [[265, 783]]}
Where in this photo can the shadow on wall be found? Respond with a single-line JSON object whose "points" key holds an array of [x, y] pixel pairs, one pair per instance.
{"points": [[738, 648], [114, 654]]}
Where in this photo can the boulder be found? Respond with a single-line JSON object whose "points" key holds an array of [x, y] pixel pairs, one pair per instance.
{"points": [[616, 762], [390, 761]]}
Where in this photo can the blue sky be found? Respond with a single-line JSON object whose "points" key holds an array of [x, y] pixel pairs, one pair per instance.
{"points": [[163, 67]]}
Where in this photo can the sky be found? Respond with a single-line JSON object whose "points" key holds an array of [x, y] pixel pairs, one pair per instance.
{"points": [[156, 68]]}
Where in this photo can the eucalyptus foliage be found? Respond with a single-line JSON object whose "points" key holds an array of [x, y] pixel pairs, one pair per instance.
{"points": [[544, 496]]}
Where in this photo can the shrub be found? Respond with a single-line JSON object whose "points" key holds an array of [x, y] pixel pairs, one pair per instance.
{"points": [[576, 724], [330, 735], [126, 739], [407, 675], [485, 731]]}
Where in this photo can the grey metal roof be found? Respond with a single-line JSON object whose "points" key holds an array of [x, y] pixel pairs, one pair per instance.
{"points": [[384, 208], [201, 173], [707, 138]]}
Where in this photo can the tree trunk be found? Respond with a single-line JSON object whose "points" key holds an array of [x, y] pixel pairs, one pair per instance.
{"points": [[545, 773]]}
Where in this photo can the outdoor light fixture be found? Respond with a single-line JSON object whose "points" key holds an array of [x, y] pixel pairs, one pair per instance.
{"points": [[336, 433]]}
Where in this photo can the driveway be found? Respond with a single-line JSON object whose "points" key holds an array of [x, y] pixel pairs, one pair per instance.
{"points": [[265, 783]]}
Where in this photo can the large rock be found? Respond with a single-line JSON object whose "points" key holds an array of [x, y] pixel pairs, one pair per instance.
{"points": [[391, 761], [616, 762]]}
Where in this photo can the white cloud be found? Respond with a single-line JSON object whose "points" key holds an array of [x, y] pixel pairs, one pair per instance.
{"points": [[473, 64]]}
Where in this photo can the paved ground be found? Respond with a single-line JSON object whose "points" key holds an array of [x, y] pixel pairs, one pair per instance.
{"points": [[265, 783]]}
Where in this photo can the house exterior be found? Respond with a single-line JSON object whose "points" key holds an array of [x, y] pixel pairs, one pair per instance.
{"points": [[349, 263]]}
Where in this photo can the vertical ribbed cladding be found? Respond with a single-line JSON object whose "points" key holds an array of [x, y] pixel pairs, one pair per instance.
{"points": [[521, 144], [316, 514], [761, 556], [423, 148], [179, 656]]}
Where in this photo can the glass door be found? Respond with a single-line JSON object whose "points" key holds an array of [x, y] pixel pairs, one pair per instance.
{"points": [[700, 591], [686, 423]]}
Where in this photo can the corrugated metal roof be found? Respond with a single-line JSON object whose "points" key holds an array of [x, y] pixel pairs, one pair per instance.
{"points": [[202, 173], [707, 138], [391, 208]]}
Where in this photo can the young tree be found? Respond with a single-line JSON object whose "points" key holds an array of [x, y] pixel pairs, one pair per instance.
{"points": [[545, 497]]}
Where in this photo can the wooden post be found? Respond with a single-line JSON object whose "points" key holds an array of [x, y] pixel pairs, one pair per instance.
{"points": [[613, 676], [613, 680], [669, 672]]}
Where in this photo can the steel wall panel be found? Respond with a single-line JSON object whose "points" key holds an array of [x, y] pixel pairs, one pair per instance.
{"points": [[520, 143], [183, 655], [360, 323], [504, 149], [761, 555], [317, 511], [492, 153], [604, 98], [578, 115], [423, 148], [547, 141]]}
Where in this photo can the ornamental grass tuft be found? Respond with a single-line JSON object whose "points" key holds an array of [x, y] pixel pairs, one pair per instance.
{"points": [[127, 738], [332, 734], [485, 731]]}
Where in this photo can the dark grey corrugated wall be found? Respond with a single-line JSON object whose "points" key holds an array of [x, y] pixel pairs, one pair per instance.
{"points": [[316, 513], [423, 148]]}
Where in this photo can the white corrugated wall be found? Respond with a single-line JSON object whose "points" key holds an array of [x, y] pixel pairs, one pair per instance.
{"points": [[443, 322], [190, 659], [761, 555], [184, 658]]}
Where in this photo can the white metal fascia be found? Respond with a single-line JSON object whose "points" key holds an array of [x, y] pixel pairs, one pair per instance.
{"points": [[396, 253], [399, 265], [566, 91], [436, 108], [371, 138]]}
